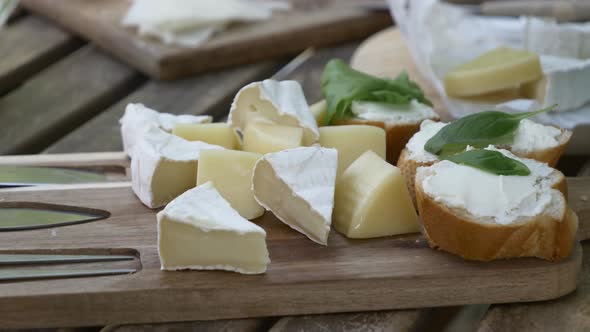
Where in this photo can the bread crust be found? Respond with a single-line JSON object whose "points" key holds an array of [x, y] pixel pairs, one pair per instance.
{"points": [[544, 236], [408, 167], [397, 134], [550, 155]]}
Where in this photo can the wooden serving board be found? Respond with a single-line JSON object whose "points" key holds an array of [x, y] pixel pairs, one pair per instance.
{"points": [[385, 54], [303, 278], [308, 23]]}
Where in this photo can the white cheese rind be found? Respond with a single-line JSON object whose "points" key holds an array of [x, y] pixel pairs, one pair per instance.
{"points": [[529, 137], [500, 199], [566, 83], [164, 167], [138, 119], [297, 185], [409, 114], [277, 102], [547, 37], [216, 237]]}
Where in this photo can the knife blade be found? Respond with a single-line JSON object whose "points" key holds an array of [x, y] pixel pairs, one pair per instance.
{"points": [[22, 176], [15, 218], [35, 274], [27, 259]]}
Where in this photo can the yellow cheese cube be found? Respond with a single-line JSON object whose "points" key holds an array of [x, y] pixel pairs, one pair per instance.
{"points": [[213, 133], [351, 141], [262, 137], [231, 174], [319, 110], [499, 69], [371, 200]]}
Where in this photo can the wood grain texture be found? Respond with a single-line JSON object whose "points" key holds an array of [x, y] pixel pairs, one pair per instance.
{"points": [[303, 278], [225, 325], [385, 54], [308, 23], [60, 98], [209, 93], [29, 45]]}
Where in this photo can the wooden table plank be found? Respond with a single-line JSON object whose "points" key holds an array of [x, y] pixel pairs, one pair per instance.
{"points": [[570, 313], [241, 325], [210, 93], [60, 98], [29, 45]]}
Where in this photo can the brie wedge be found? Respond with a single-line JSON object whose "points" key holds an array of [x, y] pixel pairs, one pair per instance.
{"points": [[270, 101], [297, 185], [199, 230], [547, 37], [231, 173], [164, 167], [138, 119]]}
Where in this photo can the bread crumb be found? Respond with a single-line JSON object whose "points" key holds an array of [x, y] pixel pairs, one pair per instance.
{"points": [[584, 198]]}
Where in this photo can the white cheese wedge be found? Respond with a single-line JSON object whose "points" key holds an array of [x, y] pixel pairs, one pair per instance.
{"points": [[372, 200], [213, 133], [407, 114], [547, 37], [263, 137], [164, 167], [351, 141], [297, 185], [138, 119], [231, 173], [199, 230], [565, 83], [270, 101]]}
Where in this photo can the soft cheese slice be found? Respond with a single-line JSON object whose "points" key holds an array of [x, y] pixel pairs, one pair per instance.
{"points": [[263, 137], [213, 133], [199, 230], [567, 40], [372, 200], [231, 173], [297, 185], [565, 83], [276, 102], [496, 70], [138, 119], [164, 167], [351, 141]]}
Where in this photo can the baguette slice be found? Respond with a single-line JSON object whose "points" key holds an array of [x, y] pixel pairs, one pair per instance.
{"points": [[414, 156], [548, 234]]}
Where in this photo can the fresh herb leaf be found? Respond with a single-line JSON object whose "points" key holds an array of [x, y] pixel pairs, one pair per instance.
{"points": [[342, 85], [490, 161], [478, 130]]}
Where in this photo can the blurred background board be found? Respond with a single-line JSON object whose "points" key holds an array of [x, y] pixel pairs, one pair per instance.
{"points": [[308, 23]]}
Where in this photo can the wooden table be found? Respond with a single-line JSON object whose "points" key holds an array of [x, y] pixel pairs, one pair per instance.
{"points": [[61, 94]]}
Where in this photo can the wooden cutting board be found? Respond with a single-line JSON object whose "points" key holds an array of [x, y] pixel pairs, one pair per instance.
{"points": [[308, 23], [385, 54], [303, 278]]}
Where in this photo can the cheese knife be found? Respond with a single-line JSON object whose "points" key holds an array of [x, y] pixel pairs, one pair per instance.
{"points": [[22, 216], [22, 176]]}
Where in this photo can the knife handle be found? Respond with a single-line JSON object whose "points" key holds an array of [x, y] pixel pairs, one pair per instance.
{"points": [[564, 11]]}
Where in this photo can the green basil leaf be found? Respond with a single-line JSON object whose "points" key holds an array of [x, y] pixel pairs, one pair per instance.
{"points": [[342, 85], [490, 161], [478, 130]]}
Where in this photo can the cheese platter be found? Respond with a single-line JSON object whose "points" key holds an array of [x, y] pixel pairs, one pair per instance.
{"points": [[361, 201]]}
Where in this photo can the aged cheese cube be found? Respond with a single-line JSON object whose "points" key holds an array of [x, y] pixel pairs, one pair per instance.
{"points": [[372, 200], [200, 230], [353, 140], [497, 70], [231, 174], [319, 111], [267, 137], [213, 133]]}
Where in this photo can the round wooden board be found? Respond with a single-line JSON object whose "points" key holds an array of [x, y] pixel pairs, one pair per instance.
{"points": [[385, 54]]}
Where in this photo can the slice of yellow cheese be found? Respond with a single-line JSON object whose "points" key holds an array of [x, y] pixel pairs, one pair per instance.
{"points": [[351, 141], [263, 137], [371, 200], [319, 111], [213, 133], [500, 69], [231, 174]]}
